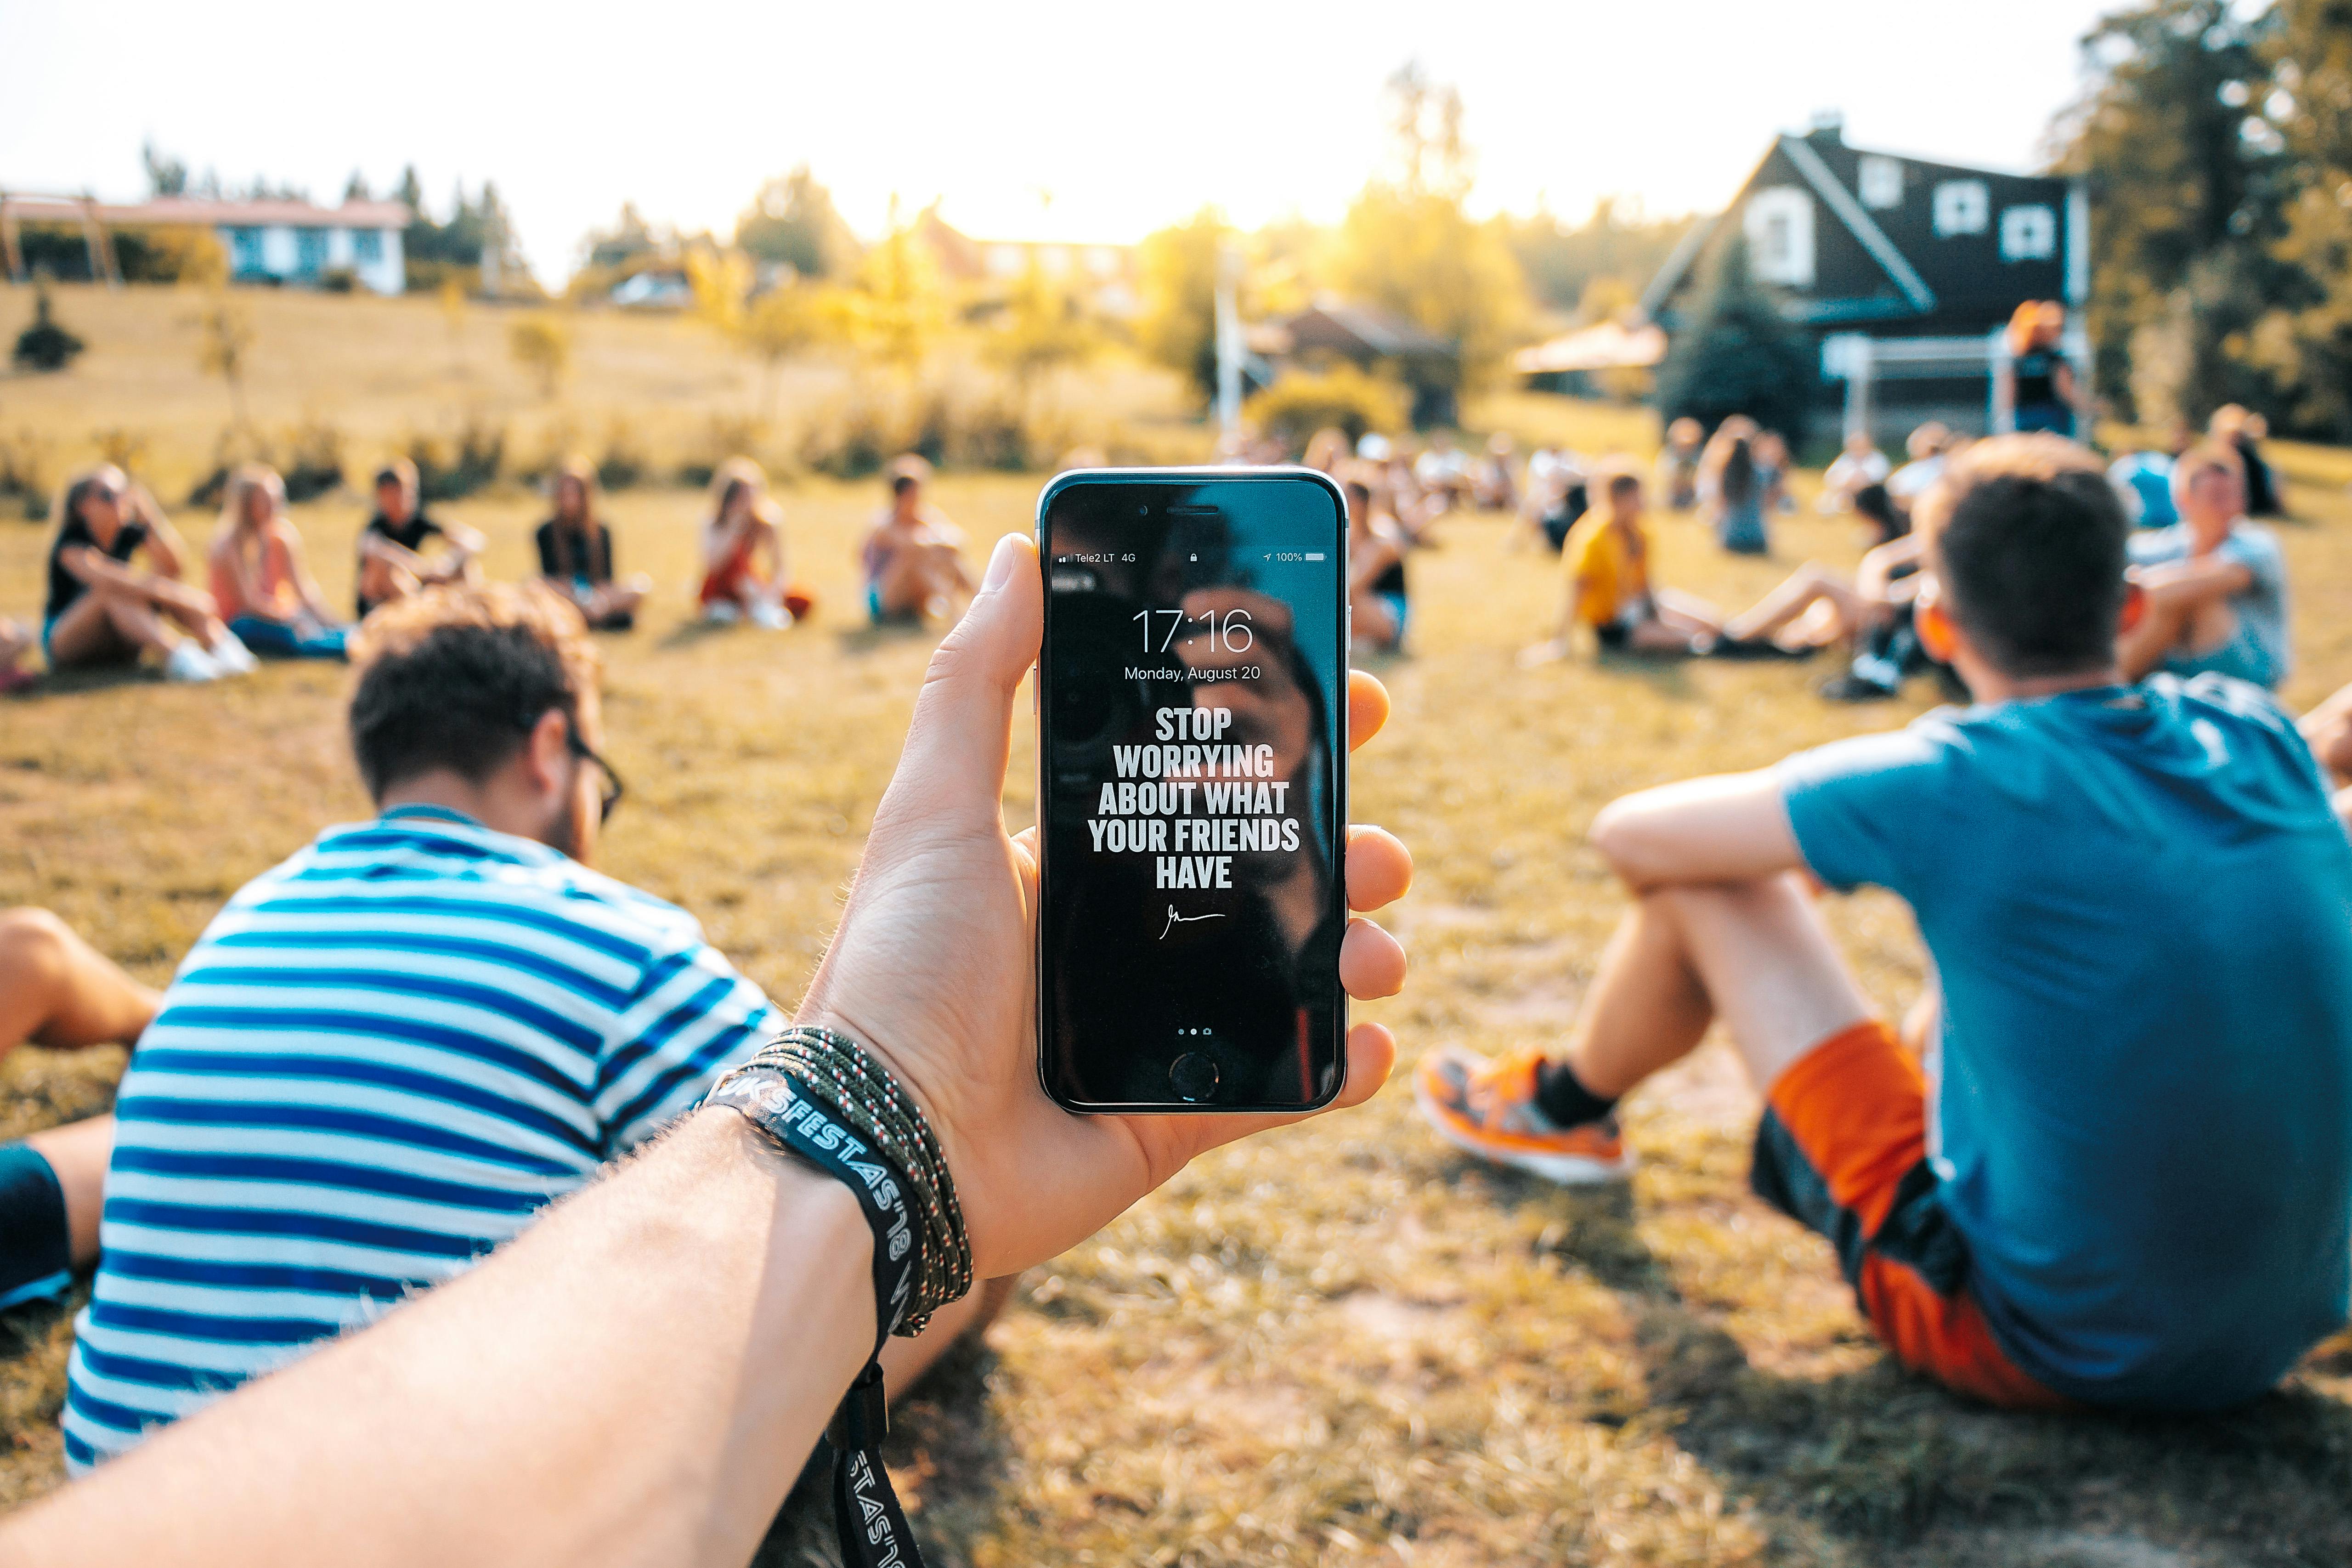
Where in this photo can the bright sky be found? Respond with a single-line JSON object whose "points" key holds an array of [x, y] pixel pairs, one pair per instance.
{"points": [[1053, 120]]}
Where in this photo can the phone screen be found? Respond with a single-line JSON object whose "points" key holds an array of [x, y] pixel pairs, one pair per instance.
{"points": [[1192, 706]]}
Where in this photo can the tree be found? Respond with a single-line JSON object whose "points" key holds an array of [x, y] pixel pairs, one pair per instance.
{"points": [[897, 308], [1613, 243], [769, 327], [45, 345], [2307, 345], [1177, 325], [356, 189], [541, 344], [1738, 355], [1408, 245], [1045, 326], [792, 221], [2185, 176], [166, 175], [228, 334]]}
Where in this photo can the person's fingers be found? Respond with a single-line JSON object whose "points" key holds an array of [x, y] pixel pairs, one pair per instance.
{"points": [[1371, 1056], [1368, 707], [961, 735], [1371, 962], [1379, 868]]}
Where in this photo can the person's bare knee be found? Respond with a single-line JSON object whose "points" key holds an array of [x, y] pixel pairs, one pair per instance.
{"points": [[35, 951], [1766, 960]]}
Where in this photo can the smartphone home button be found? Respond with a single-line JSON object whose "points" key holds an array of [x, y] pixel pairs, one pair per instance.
{"points": [[1193, 1075]]}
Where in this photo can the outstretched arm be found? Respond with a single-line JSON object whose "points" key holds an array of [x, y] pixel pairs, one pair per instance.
{"points": [[637, 1379], [1732, 828]]}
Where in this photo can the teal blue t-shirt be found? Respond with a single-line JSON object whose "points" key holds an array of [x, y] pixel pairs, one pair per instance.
{"points": [[2140, 908]]}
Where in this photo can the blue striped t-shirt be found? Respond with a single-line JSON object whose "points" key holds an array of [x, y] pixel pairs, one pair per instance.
{"points": [[380, 1061]]}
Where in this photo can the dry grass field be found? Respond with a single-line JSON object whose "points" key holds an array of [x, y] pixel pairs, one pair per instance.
{"points": [[659, 387], [1339, 1345]]}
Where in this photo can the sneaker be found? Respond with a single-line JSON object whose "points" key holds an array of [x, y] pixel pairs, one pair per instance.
{"points": [[1488, 1108], [189, 662], [1854, 687], [773, 618], [233, 657]]}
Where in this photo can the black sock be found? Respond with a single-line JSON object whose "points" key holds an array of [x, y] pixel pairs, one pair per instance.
{"points": [[36, 1248], [1566, 1101]]}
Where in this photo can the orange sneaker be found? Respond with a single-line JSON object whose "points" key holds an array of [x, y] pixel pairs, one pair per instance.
{"points": [[1488, 1108]]}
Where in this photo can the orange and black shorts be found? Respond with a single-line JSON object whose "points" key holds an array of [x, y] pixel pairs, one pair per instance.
{"points": [[1842, 1150]]}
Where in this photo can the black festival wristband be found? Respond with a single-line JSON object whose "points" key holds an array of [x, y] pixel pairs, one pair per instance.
{"points": [[799, 1124], [868, 1523]]}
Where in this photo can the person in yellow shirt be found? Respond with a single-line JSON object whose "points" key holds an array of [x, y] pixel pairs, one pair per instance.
{"points": [[1606, 562]]}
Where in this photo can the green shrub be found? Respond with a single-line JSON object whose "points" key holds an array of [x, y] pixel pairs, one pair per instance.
{"points": [[1300, 403], [45, 345], [623, 463], [725, 436], [25, 475], [472, 460]]}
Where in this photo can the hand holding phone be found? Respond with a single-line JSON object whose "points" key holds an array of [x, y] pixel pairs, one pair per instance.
{"points": [[932, 964]]}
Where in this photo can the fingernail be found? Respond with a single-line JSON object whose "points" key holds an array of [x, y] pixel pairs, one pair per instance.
{"points": [[1000, 566]]}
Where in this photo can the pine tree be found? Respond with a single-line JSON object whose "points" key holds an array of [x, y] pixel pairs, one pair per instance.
{"points": [[1738, 353]]}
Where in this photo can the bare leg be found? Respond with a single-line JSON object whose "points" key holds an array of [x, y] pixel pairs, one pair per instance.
{"points": [[102, 627], [1808, 586], [2328, 730], [56, 990], [1755, 954], [1688, 614], [904, 1362], [381, 582], [78, 1153]]}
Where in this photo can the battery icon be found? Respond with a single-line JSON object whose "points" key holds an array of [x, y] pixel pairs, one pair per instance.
{"points": [[1313, 555]]}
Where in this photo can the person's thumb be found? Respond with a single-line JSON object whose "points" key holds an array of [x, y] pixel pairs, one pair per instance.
{"points": [[960, 740]]}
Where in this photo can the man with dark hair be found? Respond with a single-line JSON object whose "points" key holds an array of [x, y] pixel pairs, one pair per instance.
{"points": [[385, 1057], [393, 562], [2123, 1173]]}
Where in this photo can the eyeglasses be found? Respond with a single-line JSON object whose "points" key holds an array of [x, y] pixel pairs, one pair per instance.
{"points": [[608, 799]]}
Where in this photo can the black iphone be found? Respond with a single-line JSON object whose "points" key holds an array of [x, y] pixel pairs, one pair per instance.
{"points": [[1193, 702]]}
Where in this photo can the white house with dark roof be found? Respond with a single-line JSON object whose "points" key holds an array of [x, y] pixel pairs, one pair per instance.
{"points": [[1905, 271], [265, 241]]}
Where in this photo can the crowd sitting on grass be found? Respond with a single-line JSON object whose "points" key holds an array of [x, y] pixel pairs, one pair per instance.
{"points": [[2083, 1170], [115, 568]]}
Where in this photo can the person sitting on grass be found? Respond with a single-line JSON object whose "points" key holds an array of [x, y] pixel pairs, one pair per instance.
{"points": [[1678, 462], [1732, 487], [402, 1043], [102, 610], [743, 559], [912, 555], [638, 1378], [1819, 607], [2214, 584], [1378, 601], [1606, 567], [2123, 1175], [261, 583], [16, 640], [59, 993], [575, 554], [1860, 465], [393, 562]]}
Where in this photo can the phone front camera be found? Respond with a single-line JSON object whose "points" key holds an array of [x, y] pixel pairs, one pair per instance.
{"points": [[1143, 511]]}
